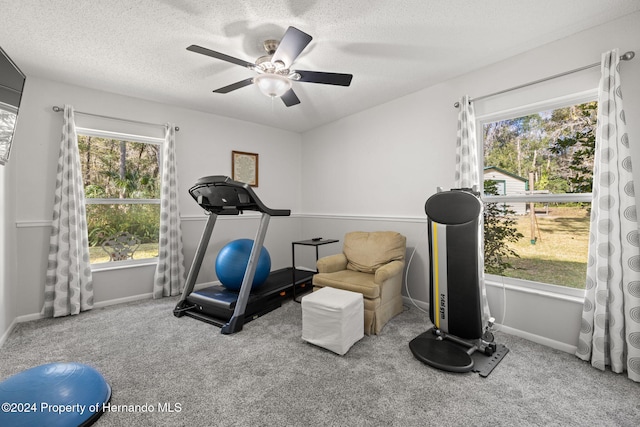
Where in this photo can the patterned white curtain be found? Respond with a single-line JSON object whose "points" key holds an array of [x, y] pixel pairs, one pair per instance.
{"points": [[610, 330], [169, 276], [69, 283], [468, 176], [466, 147]]}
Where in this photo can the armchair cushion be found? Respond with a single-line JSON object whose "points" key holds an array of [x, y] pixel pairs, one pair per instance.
{"points": [[350, 280], [366, 252]]}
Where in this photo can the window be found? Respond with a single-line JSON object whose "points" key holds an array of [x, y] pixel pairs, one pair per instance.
{"points": [[537, 184], [8, 115], [121, 175]]}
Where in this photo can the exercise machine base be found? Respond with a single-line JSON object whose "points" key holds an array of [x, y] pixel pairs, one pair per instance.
{"points": [[449, 353], [484, 364], [215, 304]]}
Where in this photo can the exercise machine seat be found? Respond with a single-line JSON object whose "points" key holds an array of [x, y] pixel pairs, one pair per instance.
{"points": [[371, 263]]}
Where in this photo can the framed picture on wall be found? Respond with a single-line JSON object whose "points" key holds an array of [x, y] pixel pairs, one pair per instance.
{"points": [[244, 167]]}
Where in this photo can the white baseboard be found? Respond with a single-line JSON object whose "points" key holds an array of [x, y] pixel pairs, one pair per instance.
{"points": [[6, 334], [115, 301], [206, 285], [145, 296], [538, 339], [421, 305], [29, 317], [19, 319]]}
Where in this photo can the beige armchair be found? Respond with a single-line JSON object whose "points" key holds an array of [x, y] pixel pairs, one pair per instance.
{"points": [[372, 264]]}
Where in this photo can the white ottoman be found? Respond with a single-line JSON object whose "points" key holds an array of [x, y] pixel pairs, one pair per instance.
{"points": [[333, 319]]}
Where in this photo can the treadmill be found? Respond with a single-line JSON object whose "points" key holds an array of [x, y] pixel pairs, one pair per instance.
{"points": [[228, 309]]}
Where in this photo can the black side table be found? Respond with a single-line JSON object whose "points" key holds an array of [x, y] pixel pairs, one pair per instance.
{"points": [[310, 242]]}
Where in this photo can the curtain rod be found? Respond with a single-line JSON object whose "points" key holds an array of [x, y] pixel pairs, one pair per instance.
{"points": [[627, 56], [58, 110]]}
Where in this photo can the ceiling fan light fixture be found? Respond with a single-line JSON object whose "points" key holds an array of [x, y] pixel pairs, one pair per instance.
{"points": [[272, 85], [275, 77]]}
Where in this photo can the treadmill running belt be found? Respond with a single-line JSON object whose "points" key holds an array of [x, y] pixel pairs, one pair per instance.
{"points": [[217, 304]]}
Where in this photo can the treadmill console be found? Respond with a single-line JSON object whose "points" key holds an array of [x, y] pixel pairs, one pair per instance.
{"points": [[221, 195]]}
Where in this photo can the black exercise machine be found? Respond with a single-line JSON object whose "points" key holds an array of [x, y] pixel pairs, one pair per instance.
{"points": [[457, 342], [230, 310]]}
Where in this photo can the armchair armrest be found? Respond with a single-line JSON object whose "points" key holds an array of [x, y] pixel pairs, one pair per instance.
{"points": [[332, 263], [387, 271]]}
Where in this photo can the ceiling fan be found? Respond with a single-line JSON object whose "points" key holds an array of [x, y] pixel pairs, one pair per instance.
{"points": [[274, 69]]}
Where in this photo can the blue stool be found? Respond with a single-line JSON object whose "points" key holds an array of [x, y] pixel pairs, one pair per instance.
{"points": [[56, 394]]}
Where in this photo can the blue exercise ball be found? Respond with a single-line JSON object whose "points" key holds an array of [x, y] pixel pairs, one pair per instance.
{"points": [[232, 261]]}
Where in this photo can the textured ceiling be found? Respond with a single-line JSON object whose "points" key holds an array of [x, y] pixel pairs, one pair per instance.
{"points": [[392, 47]]}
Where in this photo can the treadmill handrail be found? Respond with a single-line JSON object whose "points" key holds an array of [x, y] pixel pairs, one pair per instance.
{"points": [[223, 196]]}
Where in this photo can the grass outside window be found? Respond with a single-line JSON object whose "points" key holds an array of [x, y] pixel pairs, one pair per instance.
{"points": [[559, 255]]}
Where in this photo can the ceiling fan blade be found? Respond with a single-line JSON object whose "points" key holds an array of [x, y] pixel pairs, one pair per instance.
{"points": [[218, 55], [337, 79], [234, 86], [292, 44], [290, 98]]}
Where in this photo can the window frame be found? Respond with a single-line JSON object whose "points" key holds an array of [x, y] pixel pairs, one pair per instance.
{"points": [[100, 133], [554, 103]]}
